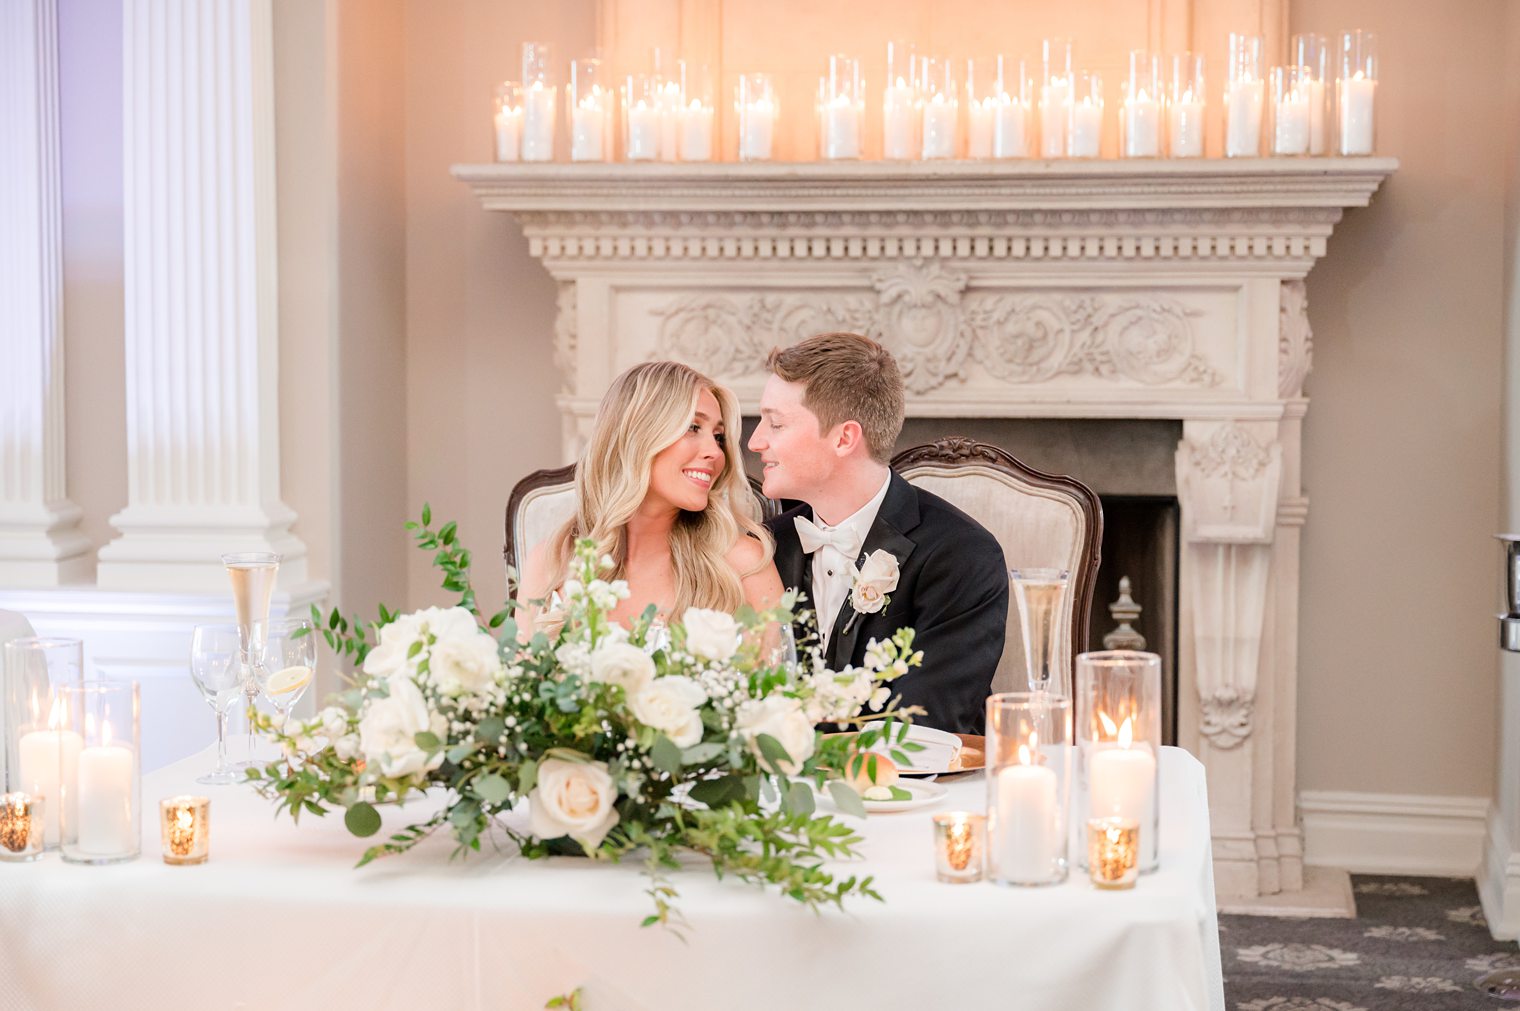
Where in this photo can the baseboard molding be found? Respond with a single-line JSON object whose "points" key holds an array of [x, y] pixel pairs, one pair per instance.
{"points": [[1390, 833], [1499, 880]]}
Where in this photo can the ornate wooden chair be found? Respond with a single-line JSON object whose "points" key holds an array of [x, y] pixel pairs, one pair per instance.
{"points": [[1041, 521], [544, 499]]}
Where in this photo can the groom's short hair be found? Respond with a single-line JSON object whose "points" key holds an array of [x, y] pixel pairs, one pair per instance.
{"points": [[847, 378]]}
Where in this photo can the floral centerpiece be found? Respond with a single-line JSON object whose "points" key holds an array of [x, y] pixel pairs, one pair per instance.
{"points": [[699, 736]]}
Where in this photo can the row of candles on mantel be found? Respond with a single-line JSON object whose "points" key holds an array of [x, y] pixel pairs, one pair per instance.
{"points": [[72, 765], [1037, 779], [1319, 103]]}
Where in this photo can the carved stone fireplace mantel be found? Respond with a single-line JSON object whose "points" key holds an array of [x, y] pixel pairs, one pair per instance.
{"points": [[1107, 289]]}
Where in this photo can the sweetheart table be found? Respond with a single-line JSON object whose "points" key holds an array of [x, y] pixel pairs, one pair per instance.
{"points": [[278, 918]]}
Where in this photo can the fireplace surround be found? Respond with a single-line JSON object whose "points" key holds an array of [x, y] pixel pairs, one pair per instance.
{"points": [[1124, 291]]}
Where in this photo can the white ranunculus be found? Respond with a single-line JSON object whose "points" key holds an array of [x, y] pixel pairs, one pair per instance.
{"points": [[673, 706], [388, 729], [710, 635], [622, 663], [347, 747], [334, 722], [782, 718], [465, 665], [573, 799]]}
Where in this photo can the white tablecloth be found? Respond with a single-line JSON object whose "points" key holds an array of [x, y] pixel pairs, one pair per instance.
{"points": [[279, 919]]}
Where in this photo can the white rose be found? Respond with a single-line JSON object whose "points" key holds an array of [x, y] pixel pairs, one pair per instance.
{"points": [[573, 799], [389, 656], [672, 705], [711, 635], [449, 622], [465, 665], [334, 722], [782, 718], [621, 663], [347, 747], [389, 727], [873, 581]]}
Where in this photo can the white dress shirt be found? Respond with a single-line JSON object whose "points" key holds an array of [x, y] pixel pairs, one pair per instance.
{"points": [[833, 571]]}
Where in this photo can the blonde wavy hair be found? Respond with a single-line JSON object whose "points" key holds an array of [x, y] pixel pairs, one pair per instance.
{"points": [[646, 410]]}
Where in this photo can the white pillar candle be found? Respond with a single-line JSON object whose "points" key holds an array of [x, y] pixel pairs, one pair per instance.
{"points": [[1186, 127], [1243, 120], [841, 128], [1086, 130], [1122, 783], [939, 127], [538, 123], [45, 758], [104, 797], [758, 131], [1355, 115], [1290, 125], [643, 132], [588, 131], [1142, 126], [670, 120], [508, 134], [1055, 96], [1317, 140], [979, 128], [897, 121], [1010, 137], [696, 132], [1026, 843]]}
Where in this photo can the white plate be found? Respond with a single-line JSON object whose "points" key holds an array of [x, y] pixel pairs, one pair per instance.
{"points": [[923, 793]]}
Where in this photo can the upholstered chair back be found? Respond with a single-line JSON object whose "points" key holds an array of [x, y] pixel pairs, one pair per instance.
{"points": [[1041, 521]]}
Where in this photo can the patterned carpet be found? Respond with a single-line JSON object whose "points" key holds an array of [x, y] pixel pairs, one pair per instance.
{"points": [[1417, 944]]}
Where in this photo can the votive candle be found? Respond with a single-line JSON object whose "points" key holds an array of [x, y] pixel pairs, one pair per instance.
{"points": [[23, 824], [184, 825], [960, 839], [1113, 852]]}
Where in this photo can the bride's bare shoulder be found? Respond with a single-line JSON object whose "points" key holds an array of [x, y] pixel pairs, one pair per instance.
{"points": [[746, 553]]}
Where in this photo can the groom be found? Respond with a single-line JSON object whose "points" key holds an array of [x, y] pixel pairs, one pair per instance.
{"points": [[831, 411]]}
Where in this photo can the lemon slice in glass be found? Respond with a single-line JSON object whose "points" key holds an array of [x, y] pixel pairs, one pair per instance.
{"points": [[290, 679]]}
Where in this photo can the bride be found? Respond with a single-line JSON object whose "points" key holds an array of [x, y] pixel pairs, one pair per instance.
{"points": [[661, 488]]}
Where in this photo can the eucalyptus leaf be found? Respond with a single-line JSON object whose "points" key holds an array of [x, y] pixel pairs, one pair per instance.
{"points": [[718, 792], [427, 740], [362, 819], [492, 789], [773, 753], [704, 752], [799, 799], [847, 799], [665, 755]]}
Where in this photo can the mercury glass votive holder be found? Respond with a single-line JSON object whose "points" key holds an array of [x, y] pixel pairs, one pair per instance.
{"points": [[1113, 850], [184, 826], [960, 845], [23, 823]]}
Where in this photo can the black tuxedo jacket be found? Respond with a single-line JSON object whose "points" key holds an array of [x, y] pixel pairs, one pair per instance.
{"points": [[952, 588]]}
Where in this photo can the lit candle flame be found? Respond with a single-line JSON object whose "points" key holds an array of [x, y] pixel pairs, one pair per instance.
{"points": [[1109, 729], [56, 714], [1023, 754], [1126, 733]]}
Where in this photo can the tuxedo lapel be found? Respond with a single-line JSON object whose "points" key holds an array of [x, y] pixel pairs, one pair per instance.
{"points": [[889, 532]]}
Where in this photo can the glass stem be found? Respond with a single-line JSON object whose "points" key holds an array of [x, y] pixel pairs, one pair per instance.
{"points": [[251, 698], [221, 741]]}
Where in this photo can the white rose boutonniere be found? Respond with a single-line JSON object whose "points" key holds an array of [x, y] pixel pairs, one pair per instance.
{"points": [[573, 799], [710, 635], [871, 583]]}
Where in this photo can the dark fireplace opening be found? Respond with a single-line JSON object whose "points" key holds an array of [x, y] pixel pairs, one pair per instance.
{"points": [[1130, 463]]}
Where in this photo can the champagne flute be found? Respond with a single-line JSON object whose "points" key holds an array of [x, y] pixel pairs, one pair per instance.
{"points": [[290, 663], [1038, 593], [252, 574], [215, 669]]}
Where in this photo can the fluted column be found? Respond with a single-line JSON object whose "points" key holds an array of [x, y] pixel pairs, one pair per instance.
{"points": [[200, 294], [40, 542]]}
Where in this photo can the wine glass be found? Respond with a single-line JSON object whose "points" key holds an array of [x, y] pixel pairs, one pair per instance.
{"points": [[782, 643], [217, 672], [290, 662], [252, 574]]}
